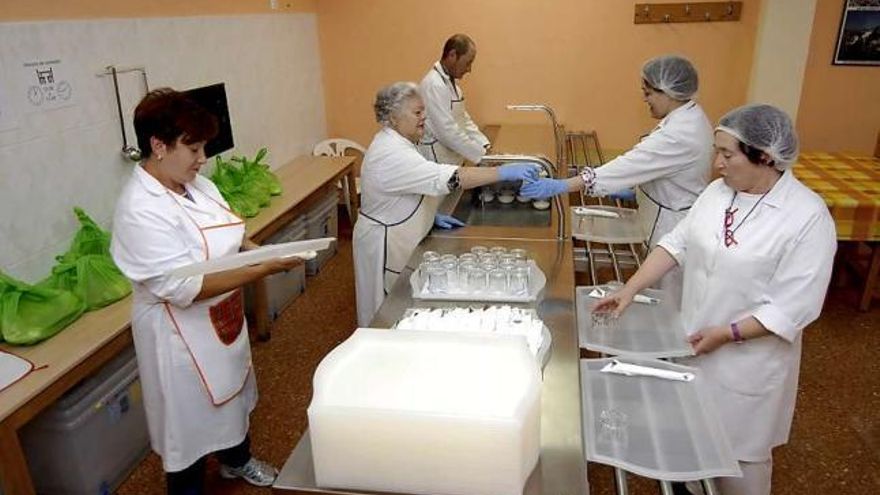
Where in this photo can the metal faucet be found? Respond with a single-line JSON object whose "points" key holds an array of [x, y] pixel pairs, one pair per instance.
{"points": [[548, 167], [556, 129]]}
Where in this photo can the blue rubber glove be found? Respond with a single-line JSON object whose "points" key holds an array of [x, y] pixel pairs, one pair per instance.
{"points": [[623, 195], [447, 222], [518, 171], [544, 188]]}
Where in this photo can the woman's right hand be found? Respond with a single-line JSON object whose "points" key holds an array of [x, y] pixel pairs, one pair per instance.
{"points": [[615, 303], [284, 264]]}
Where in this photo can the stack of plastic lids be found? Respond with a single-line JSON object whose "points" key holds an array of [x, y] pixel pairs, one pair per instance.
{"points": [[426, 412], [656, 427]]}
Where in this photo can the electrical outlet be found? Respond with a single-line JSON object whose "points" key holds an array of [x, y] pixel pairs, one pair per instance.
{"points": [[273, 4]]}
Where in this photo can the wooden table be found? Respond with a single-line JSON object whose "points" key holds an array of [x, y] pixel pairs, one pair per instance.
{"points": [[850, 186], [90, 342], [76, 352], [305, 181]]}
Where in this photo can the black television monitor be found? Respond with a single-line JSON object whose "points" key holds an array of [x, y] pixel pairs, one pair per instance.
{"points": [[213, 99]]}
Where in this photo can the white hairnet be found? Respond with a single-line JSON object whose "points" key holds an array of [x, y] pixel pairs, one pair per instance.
{"points": [[766, 128], [390, 98], [672, 75]]}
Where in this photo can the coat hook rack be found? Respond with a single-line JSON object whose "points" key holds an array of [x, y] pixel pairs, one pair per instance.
{"points": [[656, 13], [129, 152]]}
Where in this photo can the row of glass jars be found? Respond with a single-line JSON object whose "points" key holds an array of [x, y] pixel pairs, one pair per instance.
{"points": [[483, 270]]}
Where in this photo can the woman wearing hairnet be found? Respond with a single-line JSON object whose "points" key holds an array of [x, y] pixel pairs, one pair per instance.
{"points": [[400, 192], [670, 165], [757, 248]]}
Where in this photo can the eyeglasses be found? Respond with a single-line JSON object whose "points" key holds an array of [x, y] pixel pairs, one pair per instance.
{"points": [[728, 222]]}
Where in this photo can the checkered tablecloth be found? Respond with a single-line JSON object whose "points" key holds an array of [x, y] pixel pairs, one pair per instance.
{"points": [[850, 186]]}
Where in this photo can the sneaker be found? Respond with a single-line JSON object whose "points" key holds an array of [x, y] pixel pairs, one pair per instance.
{"points": [[255, 472]]}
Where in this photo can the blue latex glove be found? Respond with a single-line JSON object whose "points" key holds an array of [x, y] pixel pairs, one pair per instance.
{"points": [[518, 171], [623, 195], [544, 188], [447, 222]]}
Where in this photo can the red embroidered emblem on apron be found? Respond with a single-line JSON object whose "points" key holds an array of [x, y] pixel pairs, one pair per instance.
{"points": [[227, 317]]}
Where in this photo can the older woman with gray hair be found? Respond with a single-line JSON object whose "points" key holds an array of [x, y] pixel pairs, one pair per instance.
{"points": [[757, 249], [400, 192]]}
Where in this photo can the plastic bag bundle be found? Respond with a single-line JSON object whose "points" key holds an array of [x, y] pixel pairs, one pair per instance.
{"points": [[246, 188], [29, 314], [94, 278], [87, 269]]}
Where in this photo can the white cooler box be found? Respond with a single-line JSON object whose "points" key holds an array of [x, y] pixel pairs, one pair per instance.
{"points": [[284, 287], [322, 221], [93, 436], [426, 413]]}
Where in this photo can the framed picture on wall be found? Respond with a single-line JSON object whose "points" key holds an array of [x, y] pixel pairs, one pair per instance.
{"points": [[858, 40]]}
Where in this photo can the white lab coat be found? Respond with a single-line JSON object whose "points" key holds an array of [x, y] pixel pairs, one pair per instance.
{"points": [[400, 192], [670, 165], [777, 272], [450, 134], [198, 392]]}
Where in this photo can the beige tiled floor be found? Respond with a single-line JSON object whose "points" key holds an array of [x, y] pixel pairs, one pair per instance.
{"points": [[835, 442]]}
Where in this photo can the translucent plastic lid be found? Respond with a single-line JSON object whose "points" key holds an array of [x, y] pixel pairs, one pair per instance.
{"points": [[644, 329], [658, 428], [608, 224], [445, 373]]}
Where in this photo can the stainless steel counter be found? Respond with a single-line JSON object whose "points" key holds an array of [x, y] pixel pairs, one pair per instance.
{"points": [[561, 469]]}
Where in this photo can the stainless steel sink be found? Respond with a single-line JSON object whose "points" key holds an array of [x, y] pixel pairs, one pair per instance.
{"points": [[471, 210]]}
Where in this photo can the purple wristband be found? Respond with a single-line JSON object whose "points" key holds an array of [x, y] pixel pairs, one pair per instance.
{"points": [[737, 337]]}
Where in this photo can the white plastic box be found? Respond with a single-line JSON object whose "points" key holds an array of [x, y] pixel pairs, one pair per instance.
{"points": [[426, 413], [284, 287], [93, 436], [322, 221]]}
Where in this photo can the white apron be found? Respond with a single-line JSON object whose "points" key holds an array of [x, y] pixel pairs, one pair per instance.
{"points": [[450, 134], [384, 247], [431, 148], [193, 357], [400, 193], [214, 330]]}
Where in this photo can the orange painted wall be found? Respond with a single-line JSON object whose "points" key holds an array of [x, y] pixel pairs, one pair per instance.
{"points": [[30, 10], [582, 57], [840, 104]]}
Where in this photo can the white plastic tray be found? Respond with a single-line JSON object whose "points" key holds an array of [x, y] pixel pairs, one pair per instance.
{"points": [[537, 281], [302, 249], [643, 330], [542, 355], [661, 429], [625, 228]]}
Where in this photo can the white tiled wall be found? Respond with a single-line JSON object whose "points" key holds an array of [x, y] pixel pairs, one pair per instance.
{"points": [[57, 159]]}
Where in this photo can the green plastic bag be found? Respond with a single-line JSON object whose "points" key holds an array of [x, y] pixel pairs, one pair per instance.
{"points": [[87, 269], [94, 278], [29, 314], [89, 239], [259, 172]]}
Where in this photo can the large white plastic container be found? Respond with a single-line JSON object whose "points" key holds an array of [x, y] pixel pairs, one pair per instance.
{"points": [[93, 436], [426, 413], [322, 221]]}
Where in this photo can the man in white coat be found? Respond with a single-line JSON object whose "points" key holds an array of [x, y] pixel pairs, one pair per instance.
{"points": [[450, 134], [400, 192], [757, 249]]}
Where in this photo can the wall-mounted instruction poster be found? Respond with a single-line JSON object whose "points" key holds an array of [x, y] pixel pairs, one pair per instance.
{"points": [[47, 84]]}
